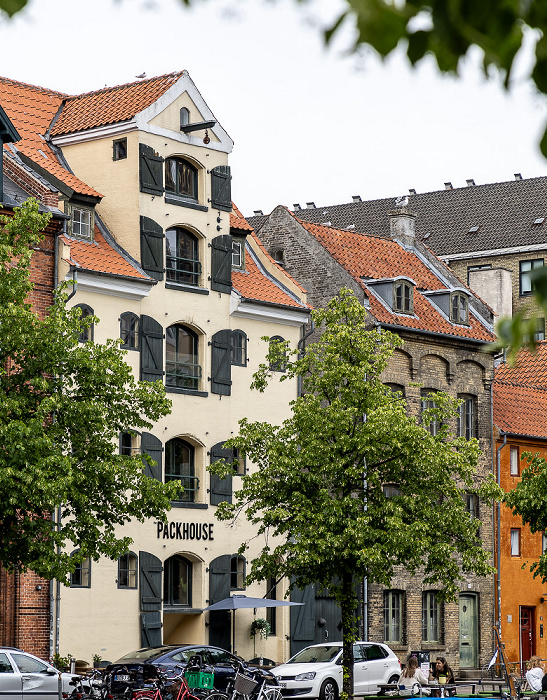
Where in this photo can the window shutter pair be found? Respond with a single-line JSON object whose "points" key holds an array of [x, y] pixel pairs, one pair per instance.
{"points": [[150, 170], [221, 489], [221, 188], [152, 248], [221, 363], [221, 264]]}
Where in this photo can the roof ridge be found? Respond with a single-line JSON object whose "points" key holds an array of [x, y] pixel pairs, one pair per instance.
{"points": [[521, 385], [124, 85], [38, 88]]}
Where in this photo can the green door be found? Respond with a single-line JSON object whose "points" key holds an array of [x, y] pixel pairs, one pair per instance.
{"points": [[468, 631]]}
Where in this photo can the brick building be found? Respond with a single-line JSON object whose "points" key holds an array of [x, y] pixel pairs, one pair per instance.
{"points": [[446, 330], [520, 425]]}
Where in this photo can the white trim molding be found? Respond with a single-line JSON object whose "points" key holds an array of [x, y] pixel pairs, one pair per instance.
{"points": [[111, 286]]}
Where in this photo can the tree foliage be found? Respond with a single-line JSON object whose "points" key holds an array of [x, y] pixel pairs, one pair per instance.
{"points": [[64, 404], [319, 495]]}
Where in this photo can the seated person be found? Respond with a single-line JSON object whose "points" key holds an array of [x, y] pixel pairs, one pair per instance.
{"points": [[443, 675], [412, 679], [534, 675]]}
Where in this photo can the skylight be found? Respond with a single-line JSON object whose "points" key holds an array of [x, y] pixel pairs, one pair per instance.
{"points": [[539, 220], [474, 229]]}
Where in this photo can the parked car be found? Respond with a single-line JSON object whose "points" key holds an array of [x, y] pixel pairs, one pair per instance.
{"points": [[169, 657], [26, 677], [316, 671]]}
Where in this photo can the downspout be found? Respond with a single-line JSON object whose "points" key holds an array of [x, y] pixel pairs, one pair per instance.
{"points": [[302, 350], [498, 558]]}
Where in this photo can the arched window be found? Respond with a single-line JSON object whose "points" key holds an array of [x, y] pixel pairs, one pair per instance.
{"points": [[127, 570], [239, 348], [179, 466], [129, 331], [279, 257], [182, 368], [280, 364], [81, 576], [182, 256], [177, 582], [181, 178], [184, 116], [237, 573], [87, 331]]}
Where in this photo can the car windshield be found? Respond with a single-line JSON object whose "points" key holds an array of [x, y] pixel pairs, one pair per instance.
{"points": [[146, 653], [316, 655]]}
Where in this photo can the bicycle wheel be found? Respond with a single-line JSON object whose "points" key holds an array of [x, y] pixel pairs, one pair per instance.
{"points": [[214, 695], [272, 693], [143, 695]]}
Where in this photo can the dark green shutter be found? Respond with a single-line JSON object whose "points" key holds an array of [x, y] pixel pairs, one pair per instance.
{"points": [[221, 188], [151, 446], [150, 582], [152, 248], [150, 170], [221, 264], [151, 625], [221, 489], [220, 625], [151, 345], [221, 363], [303, 616]]}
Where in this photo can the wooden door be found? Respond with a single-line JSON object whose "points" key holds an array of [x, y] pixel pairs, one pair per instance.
{"points": [[468, 631], [527, 638]]}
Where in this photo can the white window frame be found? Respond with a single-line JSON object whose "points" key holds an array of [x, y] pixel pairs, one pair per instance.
{"points": [[514, 461]]}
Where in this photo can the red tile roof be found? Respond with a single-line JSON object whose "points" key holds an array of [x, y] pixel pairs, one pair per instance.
{"points": [[520, 410], [370, 257], [100, 256], [529, 369], [238, 221], [111, 105], [31, 109]]}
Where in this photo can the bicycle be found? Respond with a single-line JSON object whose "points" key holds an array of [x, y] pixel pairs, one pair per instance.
{"points": [[249, 686], [166, 688]]}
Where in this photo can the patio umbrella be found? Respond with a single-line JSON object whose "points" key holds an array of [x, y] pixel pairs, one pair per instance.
{"points": [[235, 602]]}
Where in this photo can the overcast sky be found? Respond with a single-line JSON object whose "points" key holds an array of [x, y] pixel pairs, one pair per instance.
{"points": [[309, 124]]}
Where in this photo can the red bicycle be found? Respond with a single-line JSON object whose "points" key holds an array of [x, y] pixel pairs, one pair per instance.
{"points": [[166, 688]]}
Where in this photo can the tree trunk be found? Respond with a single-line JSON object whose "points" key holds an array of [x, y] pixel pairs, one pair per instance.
{"points": [[349, 623]]}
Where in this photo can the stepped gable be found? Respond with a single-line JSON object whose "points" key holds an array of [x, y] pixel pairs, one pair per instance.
{"points": [[504, 212], [111, 105], [371, 258]]}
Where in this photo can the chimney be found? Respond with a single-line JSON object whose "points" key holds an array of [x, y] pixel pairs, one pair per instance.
{"points": [[297, 207], [258, 212], [310, 205], [402, 226], [412, 190], [518, 176], [470, 182], [356, 198], [448, 186]]}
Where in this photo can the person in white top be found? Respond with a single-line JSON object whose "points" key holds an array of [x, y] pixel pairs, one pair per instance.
{"points": [[412, 680], [534, 675]]}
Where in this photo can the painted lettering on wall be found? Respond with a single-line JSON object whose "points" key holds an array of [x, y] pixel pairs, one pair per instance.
{"points": [[185, 531]]}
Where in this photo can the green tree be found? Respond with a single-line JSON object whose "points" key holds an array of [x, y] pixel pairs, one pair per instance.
{"points": [[64, 404], [319, 490]]}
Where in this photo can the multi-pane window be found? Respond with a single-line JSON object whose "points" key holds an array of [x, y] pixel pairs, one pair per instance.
{"points": [[515, 542], [466, 417], [87, 330], [403, 297], [177, 582], [459, 312], [271, 594], [237, 573], [540, 330], [239, 348], [279, 365], [182, 256], [119, 149], [179, 466], [431, 617], [237, 253], [393, 611], [514, 460], [129, 331], [127, 570], [525, 277], [433, 425], [82, 223], [472, 505], [182, 368], [181, 178], [81, 576]]}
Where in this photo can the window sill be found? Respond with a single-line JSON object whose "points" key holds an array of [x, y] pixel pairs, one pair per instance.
{"points": [[181, 202], [186, 288], [179, 610], [184, 504], [433, 646], [190, 392]]}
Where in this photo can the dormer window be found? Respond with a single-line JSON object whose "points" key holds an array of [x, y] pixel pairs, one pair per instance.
{"points": [[82, 222], [181, 178], [403, 297], [459, 311], [238, 253]]}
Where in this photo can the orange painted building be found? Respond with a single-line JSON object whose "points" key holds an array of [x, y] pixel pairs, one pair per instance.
{"points": [[520, 425]]}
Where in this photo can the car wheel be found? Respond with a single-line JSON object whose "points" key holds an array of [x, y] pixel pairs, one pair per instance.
{"points": [[329, 690], [393, 680]]}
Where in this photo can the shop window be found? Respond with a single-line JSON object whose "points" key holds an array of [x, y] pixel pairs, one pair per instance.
{"points": [[239, 348], [467, 417], [119, 149], [180, 466], [81, 576], [431, 617], [393, 611], [127, 570], [459, 311], [87, 331], [181, 178], [237, 573], [129, 331], [182, 257], [514, 460], [403, 297], [177, 582], [526, 267], [182, 368], [515, 542]]}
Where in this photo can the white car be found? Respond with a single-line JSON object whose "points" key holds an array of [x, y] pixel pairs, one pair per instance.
{"points": [[26, 677], [316, 671]]}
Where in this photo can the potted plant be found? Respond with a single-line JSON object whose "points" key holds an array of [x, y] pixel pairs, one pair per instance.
{"points": [[97, 658], [260, 627]]}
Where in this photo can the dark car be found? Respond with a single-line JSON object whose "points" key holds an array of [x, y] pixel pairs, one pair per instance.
{"points": [[169, 657]]}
